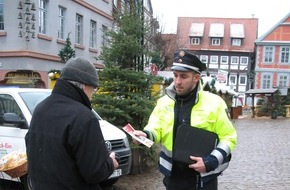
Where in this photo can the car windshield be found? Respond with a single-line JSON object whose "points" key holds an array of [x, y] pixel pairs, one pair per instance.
{"points": [[31, 99]]}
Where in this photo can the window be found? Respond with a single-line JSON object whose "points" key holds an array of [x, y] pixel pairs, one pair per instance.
{"points": [[42, 17], [1, 15], [195, 41], [61, 20], [105, 38], [224, 59], [283, 80], [266, 81], [234, 60], [213, 59], [243, 80], [236, 42], [9, 105], [215, 41], [268, 56], [93, 34], [204, 58], [284, 56], [79, 29], [244, 60], [233, 79]]}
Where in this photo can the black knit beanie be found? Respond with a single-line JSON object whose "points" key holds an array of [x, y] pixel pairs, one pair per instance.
{"points": [[80, 70]]}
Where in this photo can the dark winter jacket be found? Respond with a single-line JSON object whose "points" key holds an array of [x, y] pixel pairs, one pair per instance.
{"points": [[65, 146]]}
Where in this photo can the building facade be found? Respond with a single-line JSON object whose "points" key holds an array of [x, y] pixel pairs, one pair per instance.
{"points": [[225, 45], [32, 32], [273, 57]]}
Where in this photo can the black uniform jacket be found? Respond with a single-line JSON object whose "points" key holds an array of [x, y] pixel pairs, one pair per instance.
{"points": [[65, 146]]}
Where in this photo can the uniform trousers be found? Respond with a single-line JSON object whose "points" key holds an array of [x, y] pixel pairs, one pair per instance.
{"points": [[188, 183], [184, 178]]}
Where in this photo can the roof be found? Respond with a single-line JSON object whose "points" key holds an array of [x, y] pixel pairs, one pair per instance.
{"points": [[274, 34], [220, 87], [226, 28], [262, 91], [216, 30], [196, 29], [237, 31]]}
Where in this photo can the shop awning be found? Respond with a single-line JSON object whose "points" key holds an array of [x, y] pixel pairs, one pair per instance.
{"points": [[262, 91]]}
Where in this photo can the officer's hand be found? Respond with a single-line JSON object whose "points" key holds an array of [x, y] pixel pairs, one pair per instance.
{"points": [[138, 133], [199, 165], [115, 162]]}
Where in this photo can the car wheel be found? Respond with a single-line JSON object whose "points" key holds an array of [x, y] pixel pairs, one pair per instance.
{"points": [[25, 180], [109, 182]]}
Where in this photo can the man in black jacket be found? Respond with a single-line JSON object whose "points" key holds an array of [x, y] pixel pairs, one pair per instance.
{"points": [[65, 145]]}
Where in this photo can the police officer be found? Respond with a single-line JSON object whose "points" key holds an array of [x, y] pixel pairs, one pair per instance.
{"points": [[186, 103]]}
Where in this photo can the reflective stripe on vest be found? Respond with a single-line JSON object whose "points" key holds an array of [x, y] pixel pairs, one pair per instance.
{"points": [[165, 161], [218, 170]]}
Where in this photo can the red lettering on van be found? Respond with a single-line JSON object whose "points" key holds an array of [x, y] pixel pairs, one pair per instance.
{"points": [[6, 145]]}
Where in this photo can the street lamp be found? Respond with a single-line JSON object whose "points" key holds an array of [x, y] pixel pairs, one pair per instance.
{"points": [[26, 17]]}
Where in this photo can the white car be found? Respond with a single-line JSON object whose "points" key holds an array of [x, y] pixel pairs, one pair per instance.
{"points": [[16, 108]]}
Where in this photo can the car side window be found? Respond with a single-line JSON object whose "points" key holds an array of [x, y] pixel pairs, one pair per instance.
{"points": [[9, 105]]}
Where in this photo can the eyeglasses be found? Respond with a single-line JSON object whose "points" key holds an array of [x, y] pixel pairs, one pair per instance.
{"points": [[95, 89]]}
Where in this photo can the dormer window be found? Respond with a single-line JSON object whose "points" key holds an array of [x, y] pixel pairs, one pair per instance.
{"points": [[195, 41], [216, 33], [215, 41], [196, 33], [237, 34]]}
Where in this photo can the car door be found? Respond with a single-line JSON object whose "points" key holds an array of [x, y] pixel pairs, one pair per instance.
{"points": [[11, 134]]}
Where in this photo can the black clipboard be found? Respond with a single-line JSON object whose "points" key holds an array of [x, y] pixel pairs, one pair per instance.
{"points": [[192, 141]]}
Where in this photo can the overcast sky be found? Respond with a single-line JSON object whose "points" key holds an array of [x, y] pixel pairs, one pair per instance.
{"points": [[269, 13]]}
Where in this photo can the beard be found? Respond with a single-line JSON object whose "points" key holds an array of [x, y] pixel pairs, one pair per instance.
{"points": [[183, 91]]}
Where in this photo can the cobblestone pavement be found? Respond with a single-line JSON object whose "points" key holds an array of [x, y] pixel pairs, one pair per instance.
{"points": [[261, 159]]}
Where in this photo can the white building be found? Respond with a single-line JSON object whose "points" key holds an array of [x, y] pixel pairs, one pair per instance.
{"points": [[32, 32]]}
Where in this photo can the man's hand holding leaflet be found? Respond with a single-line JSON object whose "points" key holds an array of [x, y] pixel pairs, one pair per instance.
{"points": [[130, 130]]}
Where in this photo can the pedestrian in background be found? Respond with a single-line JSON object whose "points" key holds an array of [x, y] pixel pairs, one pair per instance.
{"points": [[185, 103], [65, 145]]}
